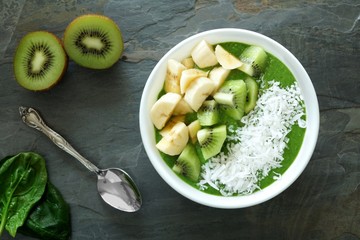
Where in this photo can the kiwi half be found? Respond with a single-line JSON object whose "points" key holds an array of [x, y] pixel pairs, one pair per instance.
{"points": [[93, 41], [40, 61]]}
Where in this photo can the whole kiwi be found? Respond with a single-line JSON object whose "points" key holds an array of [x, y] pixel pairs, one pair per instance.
{"points": [[40, 61], [93, 41]]}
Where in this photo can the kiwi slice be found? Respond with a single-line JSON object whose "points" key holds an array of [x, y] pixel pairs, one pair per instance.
{"points": [[93, 41], [252, 94], [40, 61], [238, 89], [211, 140], [188, 163], [208, 113], [254, 60]]}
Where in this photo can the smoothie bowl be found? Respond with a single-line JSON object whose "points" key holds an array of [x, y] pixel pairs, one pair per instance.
{"points": [[229, 118]]}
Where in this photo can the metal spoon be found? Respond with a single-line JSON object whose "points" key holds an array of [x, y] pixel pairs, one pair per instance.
{"points": [[114, 185]]}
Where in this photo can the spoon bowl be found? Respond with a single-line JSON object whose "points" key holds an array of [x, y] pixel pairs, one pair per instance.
{"points": [[114, 185], [126, 198]]}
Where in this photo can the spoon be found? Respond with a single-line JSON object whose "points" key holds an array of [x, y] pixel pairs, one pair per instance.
{"points": [[114, 185]]}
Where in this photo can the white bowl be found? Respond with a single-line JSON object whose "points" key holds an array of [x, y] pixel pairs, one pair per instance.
{"points": [[155, 83]]}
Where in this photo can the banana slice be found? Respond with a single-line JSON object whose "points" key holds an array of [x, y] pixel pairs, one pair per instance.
{"points": [[194, 127], [198, 91], [171, 123], [218, 76], [226, 59], [163, 108], [182, 108], [175, 141], [188, 75], [203, 55], [188, 62], [173, 75]]}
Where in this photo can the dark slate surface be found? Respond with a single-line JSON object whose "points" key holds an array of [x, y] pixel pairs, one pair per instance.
{"points": [[97, 111]]}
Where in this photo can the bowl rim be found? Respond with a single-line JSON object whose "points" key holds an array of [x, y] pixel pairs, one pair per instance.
{"points": [[147, 130]]}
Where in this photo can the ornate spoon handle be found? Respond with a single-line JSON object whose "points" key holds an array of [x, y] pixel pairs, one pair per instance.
{"points": [[33, 119]]}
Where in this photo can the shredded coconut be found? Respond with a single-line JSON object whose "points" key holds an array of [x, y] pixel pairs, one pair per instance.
{"points": [[256, 148]]}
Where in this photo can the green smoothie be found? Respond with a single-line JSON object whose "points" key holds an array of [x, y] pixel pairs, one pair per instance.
{"points": [[275, 71]]}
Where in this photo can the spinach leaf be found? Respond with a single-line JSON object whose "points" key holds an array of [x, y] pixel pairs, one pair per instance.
{"points": [[50, 217], [23, 179]]}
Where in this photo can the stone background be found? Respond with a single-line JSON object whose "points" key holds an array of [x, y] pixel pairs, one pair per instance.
{"points": [[97, 111]]}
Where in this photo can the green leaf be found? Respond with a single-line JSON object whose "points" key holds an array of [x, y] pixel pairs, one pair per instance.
{"points": [[50, 217], [23, 179]]}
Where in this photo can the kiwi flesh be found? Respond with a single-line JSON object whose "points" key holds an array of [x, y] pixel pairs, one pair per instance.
{"points": [[188, 163], [254, 59], [93, 41], [208, 113], [252, 94], [211, 140], [238, 89], [224, 98], [40, 61]]}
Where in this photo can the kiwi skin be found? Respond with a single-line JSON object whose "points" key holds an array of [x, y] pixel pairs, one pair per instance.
{"points": [[19, 48], [95, 63]]}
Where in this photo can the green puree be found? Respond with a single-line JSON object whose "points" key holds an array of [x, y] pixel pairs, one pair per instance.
{"points": [[275, 70]]}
